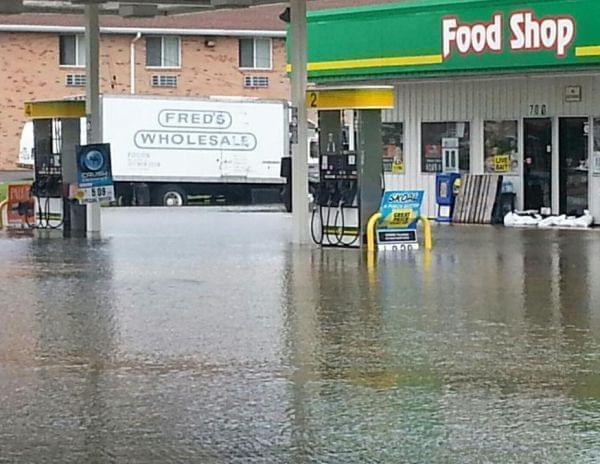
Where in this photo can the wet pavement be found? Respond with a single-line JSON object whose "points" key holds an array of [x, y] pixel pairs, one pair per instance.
{"points": [[201, 335]]}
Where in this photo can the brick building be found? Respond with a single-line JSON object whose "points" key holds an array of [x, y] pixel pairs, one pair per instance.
{"points": [[223, 52], [234, 53]]}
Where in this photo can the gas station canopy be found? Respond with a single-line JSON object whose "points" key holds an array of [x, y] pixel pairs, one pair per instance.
{"points": [[131, 8], [91, 9]]}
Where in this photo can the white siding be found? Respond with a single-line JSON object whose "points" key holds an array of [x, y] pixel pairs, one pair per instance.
{"points": [[476, 100]]}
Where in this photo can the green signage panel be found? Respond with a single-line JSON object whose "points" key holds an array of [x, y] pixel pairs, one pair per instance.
{"points": [[441, 37]]}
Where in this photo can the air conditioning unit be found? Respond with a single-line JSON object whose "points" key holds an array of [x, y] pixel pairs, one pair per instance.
{"points": [[162, 80], [75, 80], [256, 82]]}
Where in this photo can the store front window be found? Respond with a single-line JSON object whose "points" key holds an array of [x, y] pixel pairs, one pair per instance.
{"points": [[501, 147], [393, 147], [437, 135]]}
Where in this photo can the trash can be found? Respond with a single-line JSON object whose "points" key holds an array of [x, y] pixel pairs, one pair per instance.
{"points": [[504, 204], [445, 194]]}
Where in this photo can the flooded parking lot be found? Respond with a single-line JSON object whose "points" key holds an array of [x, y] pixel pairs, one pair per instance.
{"points": [[201, 335]]}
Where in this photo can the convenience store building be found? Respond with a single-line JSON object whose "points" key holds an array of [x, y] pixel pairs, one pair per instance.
{"points": [[515, 85]]}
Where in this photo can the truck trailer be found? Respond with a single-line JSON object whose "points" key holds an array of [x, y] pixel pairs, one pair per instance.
{"points": [[165, 150]]}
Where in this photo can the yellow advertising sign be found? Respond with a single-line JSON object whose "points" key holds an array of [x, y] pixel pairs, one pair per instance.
{"points": [[401, 218], [502, 163]]}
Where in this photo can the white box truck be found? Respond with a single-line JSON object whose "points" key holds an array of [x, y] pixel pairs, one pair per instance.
{"points": [[166, 149]]}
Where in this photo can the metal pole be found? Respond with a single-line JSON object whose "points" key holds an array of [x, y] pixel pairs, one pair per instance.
{"points": [[300, 150], [92, 98]]}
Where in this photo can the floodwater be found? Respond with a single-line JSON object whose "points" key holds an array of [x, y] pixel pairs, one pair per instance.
{"points": [[201, 335]]}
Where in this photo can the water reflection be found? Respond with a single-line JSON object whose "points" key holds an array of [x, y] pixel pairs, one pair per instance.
{"points": [[191, 342]]}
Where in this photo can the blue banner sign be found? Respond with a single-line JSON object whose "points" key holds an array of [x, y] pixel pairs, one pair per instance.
{"points": [[94, 173], [401, 209]]}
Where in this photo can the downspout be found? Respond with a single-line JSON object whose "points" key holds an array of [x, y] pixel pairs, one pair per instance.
{"points": [[138, 36]]}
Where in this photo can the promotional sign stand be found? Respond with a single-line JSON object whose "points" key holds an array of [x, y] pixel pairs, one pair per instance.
{"points": [[94, 174], [400, 213], [20, 207]]}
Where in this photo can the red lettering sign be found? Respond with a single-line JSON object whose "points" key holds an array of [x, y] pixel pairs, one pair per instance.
{"points": [[20, 210], [528, 33]]}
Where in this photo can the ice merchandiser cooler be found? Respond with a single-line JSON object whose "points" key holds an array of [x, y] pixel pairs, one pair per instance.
{"points": [[445, 193]]}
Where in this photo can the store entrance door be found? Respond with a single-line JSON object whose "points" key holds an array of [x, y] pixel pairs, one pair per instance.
{"points": [[573, 162], [538, 163]]}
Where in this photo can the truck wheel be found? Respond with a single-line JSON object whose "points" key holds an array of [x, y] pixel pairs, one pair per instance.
{"points": [[171, 195], [124, 194]]}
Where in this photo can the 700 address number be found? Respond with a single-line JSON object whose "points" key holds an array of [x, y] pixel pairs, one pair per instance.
{"points": [[538, 110]]}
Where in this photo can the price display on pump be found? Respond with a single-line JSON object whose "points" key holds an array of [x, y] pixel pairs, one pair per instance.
{"points": [[95, 194]]}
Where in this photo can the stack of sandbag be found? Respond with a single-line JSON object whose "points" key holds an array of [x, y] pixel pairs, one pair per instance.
{"points": [[568, 221], [533, 219], [522, 219]]}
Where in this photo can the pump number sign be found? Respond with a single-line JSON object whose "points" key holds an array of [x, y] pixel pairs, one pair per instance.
{"points": [[94, 174], [400, 211]]}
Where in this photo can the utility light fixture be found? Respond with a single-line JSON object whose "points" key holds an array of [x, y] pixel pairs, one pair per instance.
{"points": [[231, 3], [11, 7], [138, 10]]}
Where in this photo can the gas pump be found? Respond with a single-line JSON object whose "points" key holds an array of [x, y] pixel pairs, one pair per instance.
{"points": [[350, 162], [56, 133], [336, 199]]}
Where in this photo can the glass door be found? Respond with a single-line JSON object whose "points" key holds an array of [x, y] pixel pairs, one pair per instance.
{"points": [[574, 165], [537, 163]]}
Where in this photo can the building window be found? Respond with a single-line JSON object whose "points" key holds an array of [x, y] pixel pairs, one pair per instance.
{"points": [[501, 142], [436, 135], [72, 50], [163, 52], [255, 53], [393, 147]]}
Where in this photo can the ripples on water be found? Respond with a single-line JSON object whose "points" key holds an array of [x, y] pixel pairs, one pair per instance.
{"points": [[212, 340]]}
